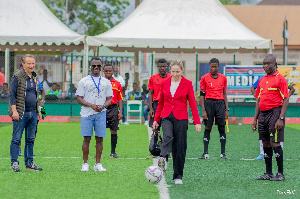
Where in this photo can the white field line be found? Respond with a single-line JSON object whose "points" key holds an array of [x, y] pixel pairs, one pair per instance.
{"points": [[154, 159], [162, 185]]}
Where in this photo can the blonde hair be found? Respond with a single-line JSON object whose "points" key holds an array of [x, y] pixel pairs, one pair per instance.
{"points": [[176, 62], [27, 55]]}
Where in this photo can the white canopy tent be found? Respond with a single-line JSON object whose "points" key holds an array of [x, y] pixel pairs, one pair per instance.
{"points": [[180, 24], [30, 26], [31, 22]]}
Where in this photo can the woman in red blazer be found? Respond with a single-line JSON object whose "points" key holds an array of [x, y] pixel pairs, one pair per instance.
{"points": [[172, 110]]}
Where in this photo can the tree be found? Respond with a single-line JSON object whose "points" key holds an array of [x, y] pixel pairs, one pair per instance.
{"points": [[91, 17]]}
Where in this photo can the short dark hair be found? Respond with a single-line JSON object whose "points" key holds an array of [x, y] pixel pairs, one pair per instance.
{"points": [[108, 64], [5, 84], [95, 58], [134, 83], [214, 60], [162, 61]]}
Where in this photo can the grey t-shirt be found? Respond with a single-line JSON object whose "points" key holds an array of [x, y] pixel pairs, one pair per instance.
{"points": [[87, 88]]}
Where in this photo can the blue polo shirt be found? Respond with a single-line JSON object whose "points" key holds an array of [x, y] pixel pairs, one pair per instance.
{"points": [[30, 96]]}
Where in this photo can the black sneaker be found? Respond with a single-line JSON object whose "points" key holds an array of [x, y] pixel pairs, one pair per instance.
{"points": [[266, 176], [15, 167], [33, 167], [114, 155], [204, 156], [223, 156], [278, 177]]}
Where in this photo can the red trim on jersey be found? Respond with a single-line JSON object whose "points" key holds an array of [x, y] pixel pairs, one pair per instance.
{"points": [[155, 84], [117, 91], [271, 90], [213, 87]]}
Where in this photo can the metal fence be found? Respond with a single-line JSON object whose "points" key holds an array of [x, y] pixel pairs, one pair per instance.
{"points": [[65, 71]]}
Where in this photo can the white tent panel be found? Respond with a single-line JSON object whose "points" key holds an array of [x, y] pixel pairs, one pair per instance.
{"points": [[200, 24], [30, 21]]}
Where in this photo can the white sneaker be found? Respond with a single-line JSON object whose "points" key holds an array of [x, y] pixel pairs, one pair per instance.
{"points": [[178, 181], [162, 163], [99, 167], [125, 123], [85, 167], [146, 123]]}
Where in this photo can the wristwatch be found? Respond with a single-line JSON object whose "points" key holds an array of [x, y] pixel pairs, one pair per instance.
{"points": [[282, 118], [226, 109]]}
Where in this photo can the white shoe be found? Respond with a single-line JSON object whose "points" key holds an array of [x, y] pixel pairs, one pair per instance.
{"points": [[99, 167], [125, 123], [146, 123], [85, 167], [178, 181], [162, 163]]}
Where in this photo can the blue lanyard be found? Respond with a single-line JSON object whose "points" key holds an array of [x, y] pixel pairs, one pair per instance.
{"points": [[98, 87]]}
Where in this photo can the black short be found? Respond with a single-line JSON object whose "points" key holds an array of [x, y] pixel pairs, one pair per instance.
{"points": [[112, 121], [154, 106], [215, 110], [266, 125]]}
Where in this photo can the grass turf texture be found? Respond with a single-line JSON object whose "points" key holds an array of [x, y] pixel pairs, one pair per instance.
{"points": [[213, 178], [62, 178], [234, 178]]}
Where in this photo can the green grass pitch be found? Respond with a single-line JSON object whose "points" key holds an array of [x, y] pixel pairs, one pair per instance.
{"points": [[58, 151]]}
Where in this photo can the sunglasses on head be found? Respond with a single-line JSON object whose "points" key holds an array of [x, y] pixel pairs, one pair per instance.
{"points": [[94, 66]]}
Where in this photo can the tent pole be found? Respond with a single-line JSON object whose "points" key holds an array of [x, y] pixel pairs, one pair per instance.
{"points": [[85, 58], [6, 66], [271, 47]]}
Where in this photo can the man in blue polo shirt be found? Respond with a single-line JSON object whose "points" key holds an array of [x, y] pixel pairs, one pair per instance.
{"points": [[24, 112]]}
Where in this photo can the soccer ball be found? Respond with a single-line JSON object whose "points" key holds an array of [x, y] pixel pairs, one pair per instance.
{"points": [[154, 174]]}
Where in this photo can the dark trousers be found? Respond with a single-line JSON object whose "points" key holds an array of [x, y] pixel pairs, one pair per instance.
{"points": [[175, 141], [29, 123]]}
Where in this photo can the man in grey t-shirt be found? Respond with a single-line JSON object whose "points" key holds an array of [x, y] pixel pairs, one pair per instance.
{"points": [[94, 93]]}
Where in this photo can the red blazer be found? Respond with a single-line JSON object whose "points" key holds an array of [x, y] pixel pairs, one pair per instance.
{"points": [[178, 103]]}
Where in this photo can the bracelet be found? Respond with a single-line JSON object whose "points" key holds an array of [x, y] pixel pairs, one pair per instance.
{"points": [[42, 101]]}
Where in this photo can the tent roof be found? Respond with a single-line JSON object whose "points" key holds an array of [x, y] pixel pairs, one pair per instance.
{"points": [[199, 24], [267, 21], [31, 22], [103, 51]]}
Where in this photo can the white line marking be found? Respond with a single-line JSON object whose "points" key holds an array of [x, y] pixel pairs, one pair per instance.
{"points": [[162, 185], [78, 157], [8, 158]]}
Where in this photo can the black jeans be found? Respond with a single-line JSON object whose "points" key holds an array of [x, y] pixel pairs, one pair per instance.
{"points": [[175, 141]]}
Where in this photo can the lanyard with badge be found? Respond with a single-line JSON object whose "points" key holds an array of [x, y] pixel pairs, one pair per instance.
{"points": [[98, 87]]}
